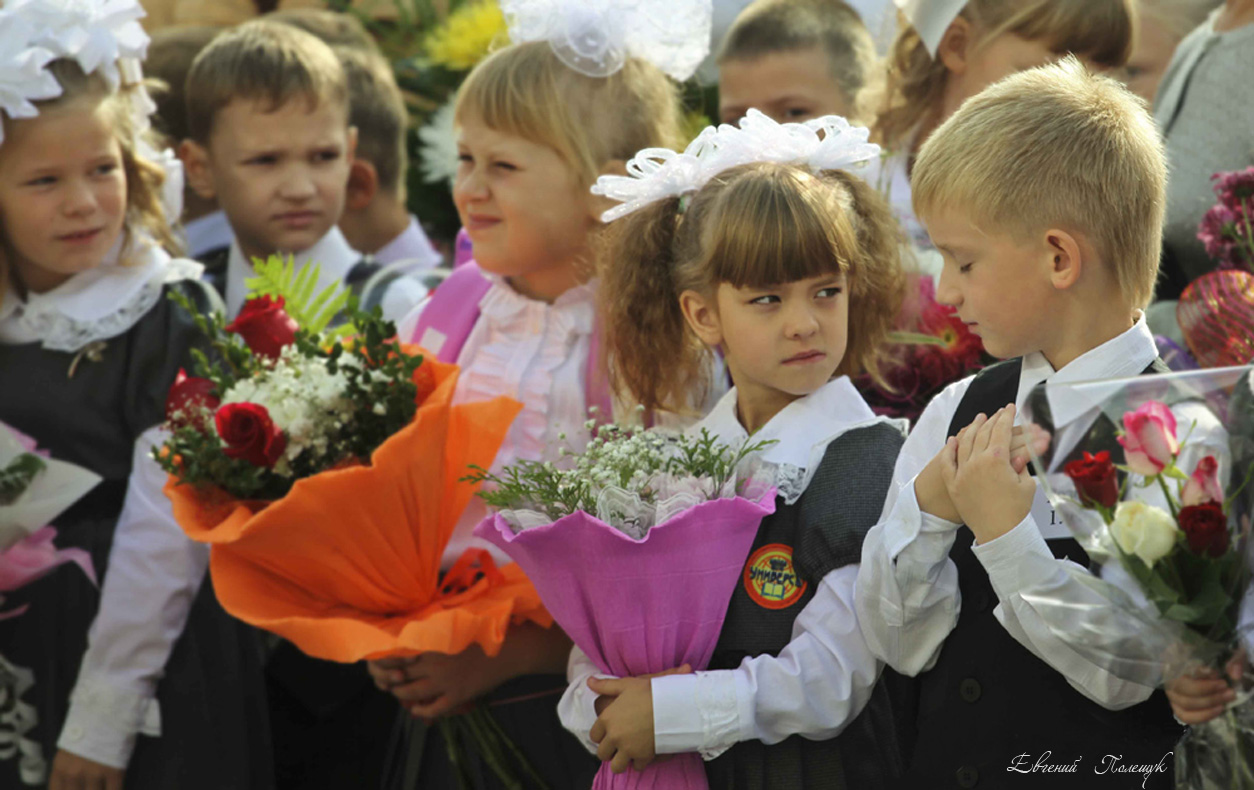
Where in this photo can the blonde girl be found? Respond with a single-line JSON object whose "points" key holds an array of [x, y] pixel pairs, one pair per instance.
{"points": [[534, 133], [790, 271], [89, 346]]}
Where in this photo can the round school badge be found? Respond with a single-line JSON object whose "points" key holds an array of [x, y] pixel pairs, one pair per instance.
{"points": [[770, 578]]}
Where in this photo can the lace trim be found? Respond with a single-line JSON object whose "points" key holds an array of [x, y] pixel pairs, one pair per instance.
{"points": [[791, 482], [17, 718], [60, 332]]}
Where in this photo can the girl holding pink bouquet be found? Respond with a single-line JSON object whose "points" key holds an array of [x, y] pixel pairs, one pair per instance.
{"points": [[757, 242], [89, 345], [538, 123]]}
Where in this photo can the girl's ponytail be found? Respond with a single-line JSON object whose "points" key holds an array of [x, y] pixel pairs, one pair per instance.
{"points": [[878, 282], [652, 354]]}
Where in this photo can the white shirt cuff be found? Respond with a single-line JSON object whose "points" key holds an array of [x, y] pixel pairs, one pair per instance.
{"points": [[1018, 560], [104, 720], [702, 712], [907, 521]]}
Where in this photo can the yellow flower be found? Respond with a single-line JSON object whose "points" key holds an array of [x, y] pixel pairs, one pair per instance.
{"points": [[466, 36]]}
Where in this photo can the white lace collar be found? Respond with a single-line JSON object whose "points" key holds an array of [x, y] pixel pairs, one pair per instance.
{"points": [[573, 313], [98, 304], [801, 431], [332, 255]]}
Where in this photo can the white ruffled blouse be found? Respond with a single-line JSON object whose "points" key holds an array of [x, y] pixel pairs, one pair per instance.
{"points": [[98, 304]]}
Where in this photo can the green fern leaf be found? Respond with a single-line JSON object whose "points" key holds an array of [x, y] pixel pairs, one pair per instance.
{"points": [[310, 309]]}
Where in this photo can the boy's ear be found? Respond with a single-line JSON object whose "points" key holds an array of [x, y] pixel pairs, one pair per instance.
{"points": [[363, 185], [599, 204], [702, 317], [1067, 258], [955, 46], [197, 167]]}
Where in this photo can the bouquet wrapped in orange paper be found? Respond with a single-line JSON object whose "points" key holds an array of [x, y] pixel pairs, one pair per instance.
{"points": [[326, 474]]}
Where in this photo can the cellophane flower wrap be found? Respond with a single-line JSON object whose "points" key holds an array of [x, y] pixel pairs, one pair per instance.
{"points": [[635, 546], [323, 465], [34, 490], [1152, 476]]}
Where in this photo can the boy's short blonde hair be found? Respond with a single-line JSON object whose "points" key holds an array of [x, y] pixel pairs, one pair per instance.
{"points": [[526, 91], [1099, 30], [1055, 146], [766, 27], [261, 61], [377, 109]]}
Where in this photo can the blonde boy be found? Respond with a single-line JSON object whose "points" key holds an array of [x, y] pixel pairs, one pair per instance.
{"points": [[795, 60], [1045, 195], [269, 138]]}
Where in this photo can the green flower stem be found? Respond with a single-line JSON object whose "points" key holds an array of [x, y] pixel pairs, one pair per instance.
{"points": [[1171, 503]]}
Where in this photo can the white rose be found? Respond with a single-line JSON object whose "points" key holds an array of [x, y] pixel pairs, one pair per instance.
{"points": [[1144, 530]]}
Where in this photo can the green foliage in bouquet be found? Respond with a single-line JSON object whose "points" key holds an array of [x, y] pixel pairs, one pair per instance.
{"points": [[627, 457], [17, 476], [279, 398]]}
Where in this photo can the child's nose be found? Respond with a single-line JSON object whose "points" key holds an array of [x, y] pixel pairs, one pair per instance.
{"points": [[80, 199], [800, 322], [298, 184], [470, 186], [947, 291]]}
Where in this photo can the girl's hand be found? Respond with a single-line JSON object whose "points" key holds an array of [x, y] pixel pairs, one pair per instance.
{"points": [[991, 496], [624, 729], [71, 772]]}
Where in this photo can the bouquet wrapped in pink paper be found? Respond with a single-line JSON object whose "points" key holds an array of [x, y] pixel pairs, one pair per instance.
{"points": [[34, 489], [635, 550]]}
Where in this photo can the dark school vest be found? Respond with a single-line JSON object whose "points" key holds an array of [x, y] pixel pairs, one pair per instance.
{"points": [[990, 711], [795, 548]]}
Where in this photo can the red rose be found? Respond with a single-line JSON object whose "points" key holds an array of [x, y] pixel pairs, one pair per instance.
{"points": [[250, 434], [1094, 478], [1206, 528], [190, 401], [265, 327]]}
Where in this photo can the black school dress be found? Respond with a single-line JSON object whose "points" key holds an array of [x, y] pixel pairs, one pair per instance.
{"points": [[214, 730]]}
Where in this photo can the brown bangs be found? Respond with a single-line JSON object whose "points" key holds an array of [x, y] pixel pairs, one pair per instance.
{"points": [[766, 231], [1098, 30]]}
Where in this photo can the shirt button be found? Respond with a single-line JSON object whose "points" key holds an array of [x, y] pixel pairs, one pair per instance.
{"points": [[968, 776], [970, 690], [75, 733]]}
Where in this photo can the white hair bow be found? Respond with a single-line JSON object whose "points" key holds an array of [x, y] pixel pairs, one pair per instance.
{"points": [[827, 143], [96, 33], [23, 78], [595, 37]]}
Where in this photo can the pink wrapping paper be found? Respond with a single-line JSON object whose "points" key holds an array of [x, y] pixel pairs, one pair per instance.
{"points": [[639, 607], [33, 558]]}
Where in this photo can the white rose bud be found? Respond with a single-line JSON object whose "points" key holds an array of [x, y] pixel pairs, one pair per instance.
{"points": [[1144, 530]]}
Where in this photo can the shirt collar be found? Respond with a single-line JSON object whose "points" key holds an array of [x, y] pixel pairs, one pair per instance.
{"points": [[574, 311], [1123, 356], [208, 233], [331, 254], [802, 430], [411, 245]]}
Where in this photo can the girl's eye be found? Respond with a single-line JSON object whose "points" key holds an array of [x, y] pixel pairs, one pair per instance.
{"points": [[327, 156], [106, 168], [830, 293], [42, 181], [467, 158], [966, 267], [765, 300], [504, 166], [797, 112], [264, 159]]}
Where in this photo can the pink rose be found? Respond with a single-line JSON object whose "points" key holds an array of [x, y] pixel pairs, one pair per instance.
{"points": [[1203, 485], [1149, 439]]}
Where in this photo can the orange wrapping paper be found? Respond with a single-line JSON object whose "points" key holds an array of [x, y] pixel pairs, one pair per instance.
{"points": [[347, 565]]}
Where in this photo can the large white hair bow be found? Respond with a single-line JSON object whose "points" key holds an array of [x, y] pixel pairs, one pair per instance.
{"points": [[595, 37], [23, 78], [827, 143], [96, 33]]}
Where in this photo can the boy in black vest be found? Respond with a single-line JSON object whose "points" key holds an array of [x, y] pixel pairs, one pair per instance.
{"points": [[1045, 195]]}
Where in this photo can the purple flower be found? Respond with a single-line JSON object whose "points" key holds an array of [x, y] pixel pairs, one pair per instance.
{"points": [[1233, 189], [1218, 231]]}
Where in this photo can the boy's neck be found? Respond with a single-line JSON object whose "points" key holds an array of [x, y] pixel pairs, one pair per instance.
{"points": [[1083, 331], [372, 228]]}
